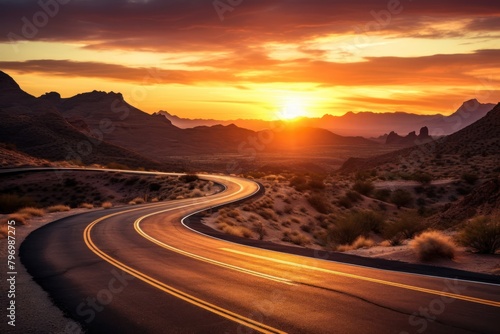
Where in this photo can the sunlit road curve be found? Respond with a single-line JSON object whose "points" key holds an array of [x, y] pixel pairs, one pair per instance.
{"points": [[139, 269]]}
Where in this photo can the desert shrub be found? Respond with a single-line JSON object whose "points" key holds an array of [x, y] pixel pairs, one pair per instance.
{"points": [[58, 208], [32, 212], [470, 178], [86, 206], [319, 203], [188, 178], [18, 218], [423, 178], [107, 205], [482, 234], [12, 202], [238, 231], [288, 209], [382, 194], [409, 224], [295, 238], [401, 197], [116, 165], [363, 187], [197, 193], [259, 228], [360, 242], [299, 183], [370, 221], [354, 225], [433, 245], [267, 214]]}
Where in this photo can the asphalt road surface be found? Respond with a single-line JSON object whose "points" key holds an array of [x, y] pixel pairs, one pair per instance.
{"points": [[141, 270]]}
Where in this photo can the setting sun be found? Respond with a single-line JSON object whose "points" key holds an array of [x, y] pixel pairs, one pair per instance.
{"points": [[293, 108]]}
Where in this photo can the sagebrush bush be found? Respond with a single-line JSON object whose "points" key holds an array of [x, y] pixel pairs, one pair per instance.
{"points": [[107, 205], [58, 208], [346, 231], [86, 206], [481, 234], [32, 212], [137, 200], [433, 245], [231, 229], [319, 203], [401, 197], [295, 238], [363, 187], [19, 219], [360, 242], [409, 224]]}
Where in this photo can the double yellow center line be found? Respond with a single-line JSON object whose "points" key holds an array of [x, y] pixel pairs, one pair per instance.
{"points": [[260, 327]]}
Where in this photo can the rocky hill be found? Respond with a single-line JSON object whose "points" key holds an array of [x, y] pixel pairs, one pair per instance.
{"points": [[37, 128], [480, 140]]}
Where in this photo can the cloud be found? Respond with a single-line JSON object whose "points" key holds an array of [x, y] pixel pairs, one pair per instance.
{"points": [[175, 25], [437, 70]]}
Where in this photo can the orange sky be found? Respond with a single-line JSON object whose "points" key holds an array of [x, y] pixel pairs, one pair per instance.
{"points": [[258, 59]]}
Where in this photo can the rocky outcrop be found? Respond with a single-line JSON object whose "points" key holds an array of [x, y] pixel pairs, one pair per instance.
{"points": [[411, 139]]}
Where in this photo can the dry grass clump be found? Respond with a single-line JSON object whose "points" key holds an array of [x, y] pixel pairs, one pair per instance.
{"points": [[86, 206], [231, 229], [31, 212], [137, 200], [482, 234], [296, 238], [360, 242], [433, 245], [107, 205], [58, 208], [18, 218]]}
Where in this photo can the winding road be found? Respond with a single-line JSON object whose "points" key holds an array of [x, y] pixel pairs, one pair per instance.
{"points": [[144, 269]]}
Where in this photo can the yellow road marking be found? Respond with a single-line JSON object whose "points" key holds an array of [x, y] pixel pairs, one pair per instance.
{"points": [[373, 280], [262, 328], [202, 258]]}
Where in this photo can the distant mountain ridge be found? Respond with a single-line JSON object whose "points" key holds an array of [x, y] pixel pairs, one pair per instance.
{"points": [[366, 124], [482, 138], [101, 127]]}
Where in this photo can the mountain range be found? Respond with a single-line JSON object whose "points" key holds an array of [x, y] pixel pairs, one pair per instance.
{"points": [[480, 139], [101, 127], [366, 124]]}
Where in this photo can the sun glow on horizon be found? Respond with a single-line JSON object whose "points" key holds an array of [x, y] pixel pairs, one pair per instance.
{"points": [[293, 108]]}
